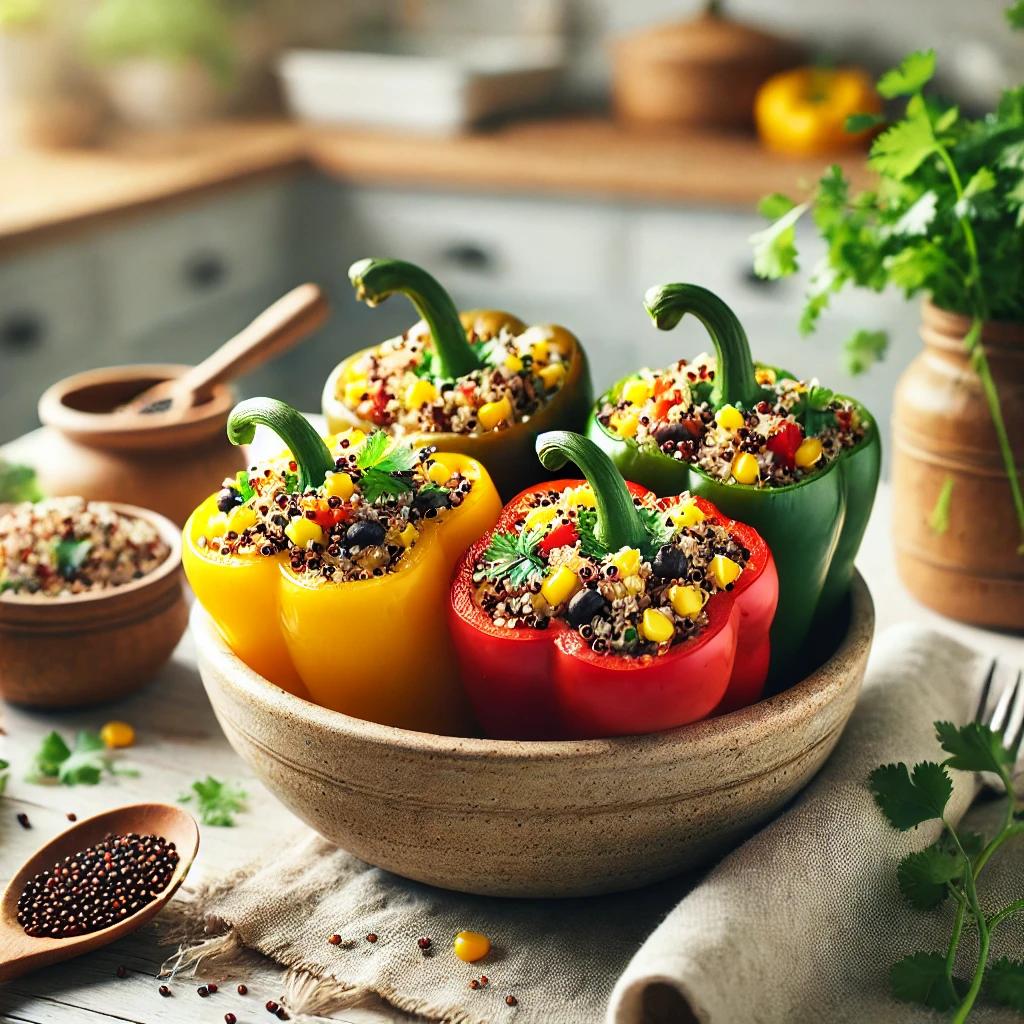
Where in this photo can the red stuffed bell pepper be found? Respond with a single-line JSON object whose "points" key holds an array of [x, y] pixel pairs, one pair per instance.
{"points": [[594, 608]]}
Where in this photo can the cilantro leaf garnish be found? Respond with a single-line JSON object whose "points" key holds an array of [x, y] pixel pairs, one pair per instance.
{"points": [[973, 747], [1006, 983], [908, 799], [71, 555], [513, 557], [244, 488], [586, 522], [217, 802], [775, 246], [384, 464], [863, 349], [921, 978], [915, 71], [83, 763], [924, 876]]}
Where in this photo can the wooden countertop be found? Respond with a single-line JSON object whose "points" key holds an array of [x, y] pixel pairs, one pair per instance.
{"points": [[49, 191]]}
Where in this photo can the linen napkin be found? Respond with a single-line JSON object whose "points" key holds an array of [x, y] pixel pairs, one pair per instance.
{"points": [[801, 923]]}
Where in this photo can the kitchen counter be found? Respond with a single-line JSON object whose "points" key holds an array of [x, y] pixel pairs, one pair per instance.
{"points": [[48, 192]]}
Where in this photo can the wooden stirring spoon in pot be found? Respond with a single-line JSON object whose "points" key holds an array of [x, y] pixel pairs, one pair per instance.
{"points": [[20, 952], [273, 332]]}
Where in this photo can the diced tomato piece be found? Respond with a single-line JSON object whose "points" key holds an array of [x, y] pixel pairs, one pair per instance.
{"points": [[559, 537], [784, 443]]}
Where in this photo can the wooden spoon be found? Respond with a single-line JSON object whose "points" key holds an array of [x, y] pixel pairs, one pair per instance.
{"points": [[20, 953], [273, 332]]}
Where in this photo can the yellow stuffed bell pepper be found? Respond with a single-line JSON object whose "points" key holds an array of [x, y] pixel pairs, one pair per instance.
{"points": [[327, 571]]}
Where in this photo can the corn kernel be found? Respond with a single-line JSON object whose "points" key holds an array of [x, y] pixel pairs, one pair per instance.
{"points": [[339, 485], [723, 570], [745, 469], [540, 351], [764, 375], [625, 424], [656, 626], [808, 453], [117, 734], [355, 390], [490, 414], [539, 516], [729, 417], [686, 600], [419, 393], [635, 392], [627, 561], [513, 363], [560, 585], [471, 946], [355, 436], [217, 525], [408, 536], [301, 531], [687, 514], [582, 497], [552, 375], [437, 473], [241, 517]]}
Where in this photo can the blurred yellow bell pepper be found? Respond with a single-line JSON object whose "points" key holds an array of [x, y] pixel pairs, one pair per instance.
{"points": [[377, 649]]}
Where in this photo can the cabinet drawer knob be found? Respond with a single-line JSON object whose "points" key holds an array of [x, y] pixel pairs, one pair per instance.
{"points": [[468, 256], [21, 331], [205, 271]]}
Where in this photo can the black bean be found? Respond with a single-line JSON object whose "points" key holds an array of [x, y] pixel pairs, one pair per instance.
{"points": [[228, 498], [584, 606], [432, 500], [365, 533], [669, 563]]}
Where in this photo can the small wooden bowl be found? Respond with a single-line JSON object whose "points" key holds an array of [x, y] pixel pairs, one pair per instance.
{"points": [[510, 818], [89, 648]]}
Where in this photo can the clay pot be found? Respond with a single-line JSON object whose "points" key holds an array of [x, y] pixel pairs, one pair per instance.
{"points": [[58, 652], [942, 428], [169, 467], [522, 818], [699, 73]]}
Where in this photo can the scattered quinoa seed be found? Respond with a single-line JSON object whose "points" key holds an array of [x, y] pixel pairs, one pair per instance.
{"points": [[164, 991], [335, 939], [242, 990], [212, 987], [511, 999], [122, 971], [230, 1018], [203, 991], [23, 820], [372, 937]]}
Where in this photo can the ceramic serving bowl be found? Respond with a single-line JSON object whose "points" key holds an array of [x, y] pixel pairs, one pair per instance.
{"points": [[510, 818], [88, 648]]}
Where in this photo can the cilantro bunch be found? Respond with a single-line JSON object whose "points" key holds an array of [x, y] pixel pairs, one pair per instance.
{"points": [[216, 801], [385, 466], [945, 220], [950, 869]]}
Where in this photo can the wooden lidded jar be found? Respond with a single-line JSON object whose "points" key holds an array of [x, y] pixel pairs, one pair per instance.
{"points": [[942, 429], [168, 464]]}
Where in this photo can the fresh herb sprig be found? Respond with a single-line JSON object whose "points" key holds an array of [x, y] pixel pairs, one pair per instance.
{"points": [[513, 557], [83, 763], [945, 220], [384, 464], [71, 555], [4, 775], [217, 802], [950, 869]]}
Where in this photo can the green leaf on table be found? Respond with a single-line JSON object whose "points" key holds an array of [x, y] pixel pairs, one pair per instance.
{"points": [[921, 978], [84, 763], [71, 555], [513, 557], [905, 145], [973, 747], [857, 123], [914, 72], [924, 876], [217, 802], [908, 799], [775, 246], [863, 349], [1004, 983]]}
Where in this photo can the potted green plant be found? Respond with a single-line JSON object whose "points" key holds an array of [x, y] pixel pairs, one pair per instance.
{"points": [[945, 221], [164, 63]]}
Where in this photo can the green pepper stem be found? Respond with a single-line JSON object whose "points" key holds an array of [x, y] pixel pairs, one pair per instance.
{"points": [[619, 524], [308, 450], [735, 382], [377, 279]]}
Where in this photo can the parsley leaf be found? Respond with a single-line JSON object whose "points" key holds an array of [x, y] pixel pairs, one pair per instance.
{"points": [[84, 763], [915, 71], [1006, 983], [71, 555], [973, 747], [864, 349], [383, 462], [244, 488], [513, 557], [775, 247], [217, 802], [907, 800], [924, 876], [904, 146], [916, 219], [586, 522], [921, 978], [857, 123], [660, 530], [938, 518]]}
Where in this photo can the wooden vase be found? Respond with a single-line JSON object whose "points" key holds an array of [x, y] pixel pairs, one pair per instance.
{"points": [[971, 570]]}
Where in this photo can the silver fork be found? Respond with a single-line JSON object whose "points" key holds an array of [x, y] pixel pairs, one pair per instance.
{"points": [[1005, 715]]}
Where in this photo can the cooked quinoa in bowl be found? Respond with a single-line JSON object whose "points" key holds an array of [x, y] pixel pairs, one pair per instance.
{"points": [[63, 547], [550, 567], [796, 430], [357, 525]]}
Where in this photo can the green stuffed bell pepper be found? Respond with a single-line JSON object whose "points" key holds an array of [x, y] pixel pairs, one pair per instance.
{"points": [[795, 461]]}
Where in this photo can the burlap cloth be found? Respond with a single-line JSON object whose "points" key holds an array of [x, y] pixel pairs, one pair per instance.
{"points": [[801, 923]]}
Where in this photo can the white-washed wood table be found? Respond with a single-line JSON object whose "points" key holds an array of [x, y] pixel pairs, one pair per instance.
{"points": [[180, 741]]}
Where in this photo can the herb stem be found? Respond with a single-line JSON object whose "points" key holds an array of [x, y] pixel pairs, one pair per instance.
{"points": [[984, 937], [996, 919], [954, 939]]}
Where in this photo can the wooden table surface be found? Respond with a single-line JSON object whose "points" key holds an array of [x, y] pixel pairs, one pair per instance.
{"points": [[179, 741], [49, 192]]}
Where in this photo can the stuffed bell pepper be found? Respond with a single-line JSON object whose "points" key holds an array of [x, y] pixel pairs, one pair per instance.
{"points": [[481, 382], [792, 459], [327, 570], [596, 609]]}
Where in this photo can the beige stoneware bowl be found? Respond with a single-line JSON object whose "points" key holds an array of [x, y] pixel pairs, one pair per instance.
{"points": [[58, 652], [508, 818]]}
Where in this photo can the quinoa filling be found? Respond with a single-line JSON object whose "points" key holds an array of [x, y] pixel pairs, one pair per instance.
{"points": [[795, 431], [395, 384], [551, 566], [66, 546], [357, 525]]}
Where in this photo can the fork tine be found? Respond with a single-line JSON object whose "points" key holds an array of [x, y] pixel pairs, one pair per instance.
{"points": [[1001, 712], [1017, 712], [986, 689]]}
